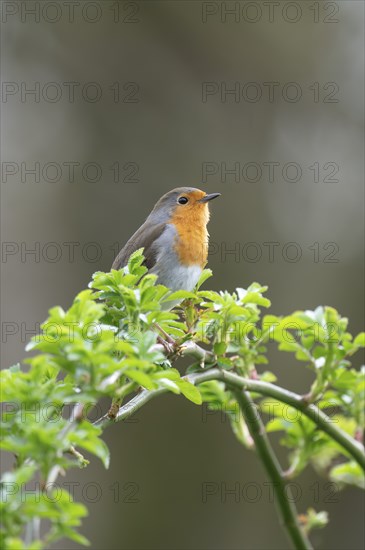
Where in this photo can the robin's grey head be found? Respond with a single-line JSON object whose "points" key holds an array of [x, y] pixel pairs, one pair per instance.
{"points": [[182, 200]]}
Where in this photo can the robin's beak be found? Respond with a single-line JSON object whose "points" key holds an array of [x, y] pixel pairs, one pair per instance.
{"points": [[209, 197]]}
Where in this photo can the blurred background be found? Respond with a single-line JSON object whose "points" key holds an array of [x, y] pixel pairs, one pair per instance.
{"points": [[106, 106]]}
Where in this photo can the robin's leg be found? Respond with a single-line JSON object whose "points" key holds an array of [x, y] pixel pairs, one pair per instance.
{"points": [[168, 346], [165, 340]]}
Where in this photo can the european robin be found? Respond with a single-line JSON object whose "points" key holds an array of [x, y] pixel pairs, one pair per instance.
{"points": [[174, 238]]}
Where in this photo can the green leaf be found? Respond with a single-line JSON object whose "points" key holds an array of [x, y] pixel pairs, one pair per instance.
{"points": [[224, 363], [268, 376], [141, 378], [255, 297], [205, 275], [170, 385], [360, 340], [349, 473], [220, 348], [179, 295], [209, 295], [275, 425], [190, 391]]}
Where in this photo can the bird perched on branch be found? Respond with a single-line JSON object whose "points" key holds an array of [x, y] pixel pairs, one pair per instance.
{"points": [[174, 238]]}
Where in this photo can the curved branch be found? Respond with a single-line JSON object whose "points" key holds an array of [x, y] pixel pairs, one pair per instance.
{"points": [[324, 422], [353, 447]]}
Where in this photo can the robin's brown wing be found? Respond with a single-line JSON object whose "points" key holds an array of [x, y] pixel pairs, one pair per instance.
{"points": [[145, 238]]}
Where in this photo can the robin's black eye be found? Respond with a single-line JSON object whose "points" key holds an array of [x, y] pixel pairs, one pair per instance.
{"points": [[182, 200]]}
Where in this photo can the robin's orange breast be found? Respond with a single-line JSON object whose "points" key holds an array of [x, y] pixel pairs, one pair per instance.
{"points": [[192, 236]]}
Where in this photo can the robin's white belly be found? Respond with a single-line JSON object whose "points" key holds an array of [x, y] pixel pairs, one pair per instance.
{"points": [[169, 269], [180, 278]]}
